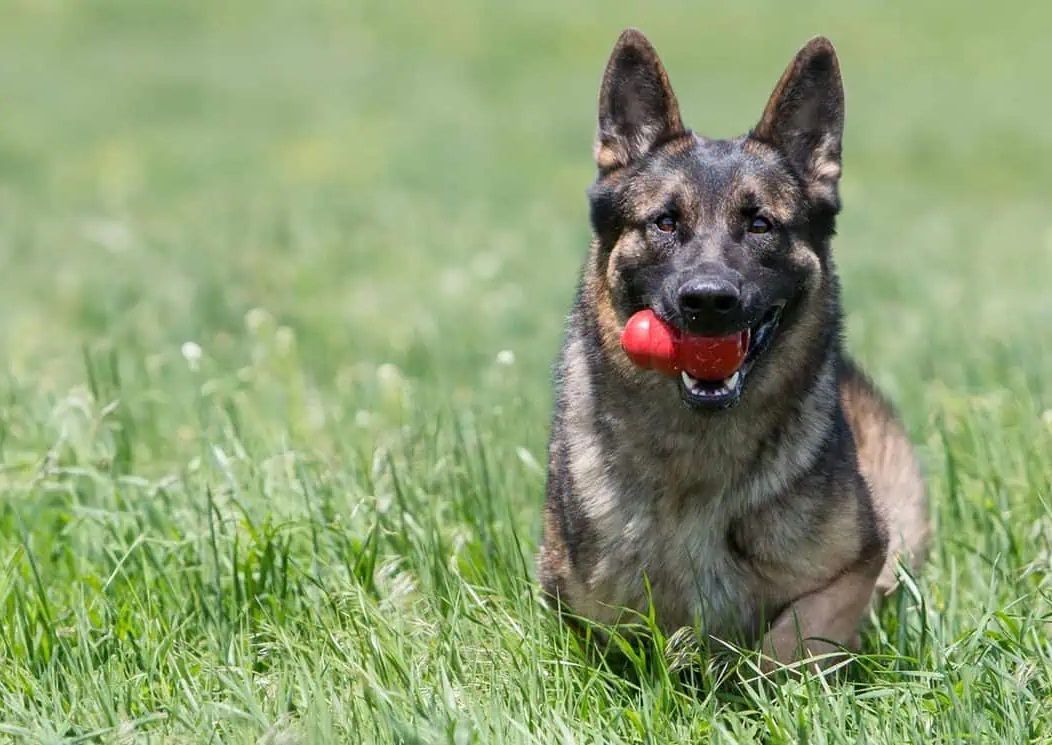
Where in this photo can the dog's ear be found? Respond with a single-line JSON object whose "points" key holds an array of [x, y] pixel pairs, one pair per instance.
{"points": [[804, 119], [637, 108]]}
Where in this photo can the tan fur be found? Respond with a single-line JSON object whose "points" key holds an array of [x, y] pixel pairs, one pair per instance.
{"points": [[886, 459], [599, 286], [822, 623]]}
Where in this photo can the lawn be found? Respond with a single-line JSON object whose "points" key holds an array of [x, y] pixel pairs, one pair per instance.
{"points": [[281, 289]]}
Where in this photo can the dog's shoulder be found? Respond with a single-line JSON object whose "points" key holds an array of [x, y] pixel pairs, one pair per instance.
{"points": [[887, 462]]}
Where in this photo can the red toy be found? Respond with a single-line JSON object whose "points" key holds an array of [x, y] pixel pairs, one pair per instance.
{"points": [[654, 345]]}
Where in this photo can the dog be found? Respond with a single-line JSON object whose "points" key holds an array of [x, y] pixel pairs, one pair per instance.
{"points": [[768, 509]]}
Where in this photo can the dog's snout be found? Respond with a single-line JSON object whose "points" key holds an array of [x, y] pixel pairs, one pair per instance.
{"points": [[712, 296]]}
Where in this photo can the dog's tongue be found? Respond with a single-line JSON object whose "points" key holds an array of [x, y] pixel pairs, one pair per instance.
{"points": [[654, 345]]}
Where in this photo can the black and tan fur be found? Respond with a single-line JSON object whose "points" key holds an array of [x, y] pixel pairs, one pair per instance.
{"points": [[778, 514]]}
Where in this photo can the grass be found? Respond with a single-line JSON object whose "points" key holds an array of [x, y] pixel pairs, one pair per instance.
{"points": [[281, 288]]}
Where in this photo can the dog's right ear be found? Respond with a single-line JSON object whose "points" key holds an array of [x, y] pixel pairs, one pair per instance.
{"points": [[637, 108]]}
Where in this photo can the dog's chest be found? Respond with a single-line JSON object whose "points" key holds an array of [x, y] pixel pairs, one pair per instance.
{"points": [[678, 558]]}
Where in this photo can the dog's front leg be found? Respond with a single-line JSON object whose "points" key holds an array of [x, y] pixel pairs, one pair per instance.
{"points": [[823, 622]]}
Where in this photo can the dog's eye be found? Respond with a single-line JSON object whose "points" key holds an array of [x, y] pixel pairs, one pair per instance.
{"points": [[666, 224], [759, 224]]}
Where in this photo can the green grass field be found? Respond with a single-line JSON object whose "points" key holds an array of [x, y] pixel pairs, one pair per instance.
{"points": [[280, 291]]}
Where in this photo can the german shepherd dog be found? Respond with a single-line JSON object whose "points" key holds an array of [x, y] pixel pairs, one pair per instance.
{"points": [[768, 509]]}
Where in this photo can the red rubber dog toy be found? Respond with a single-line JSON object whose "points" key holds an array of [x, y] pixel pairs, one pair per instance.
{"points": [[654, 345]]}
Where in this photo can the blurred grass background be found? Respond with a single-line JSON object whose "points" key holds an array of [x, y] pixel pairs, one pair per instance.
{"points": [[406, 181], [352, 210]]}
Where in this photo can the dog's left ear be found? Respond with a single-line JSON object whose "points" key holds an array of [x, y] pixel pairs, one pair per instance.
{"points": [[804, 119], [637, 108]]}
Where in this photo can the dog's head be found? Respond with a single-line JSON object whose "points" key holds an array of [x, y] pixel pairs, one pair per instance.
{"points": [[715, 236]]}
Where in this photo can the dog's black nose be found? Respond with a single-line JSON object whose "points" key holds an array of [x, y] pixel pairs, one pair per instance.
{"points": [[710, 296]]}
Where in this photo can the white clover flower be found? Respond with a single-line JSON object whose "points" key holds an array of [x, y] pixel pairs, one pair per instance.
{"points": [[192, 354], [506, 357]]}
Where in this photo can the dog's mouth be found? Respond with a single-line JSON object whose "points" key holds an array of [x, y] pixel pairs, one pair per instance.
{"points": [[721, 394]]}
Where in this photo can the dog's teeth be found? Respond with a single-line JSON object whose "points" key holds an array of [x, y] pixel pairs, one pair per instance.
{"points": [[710, 390]]}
